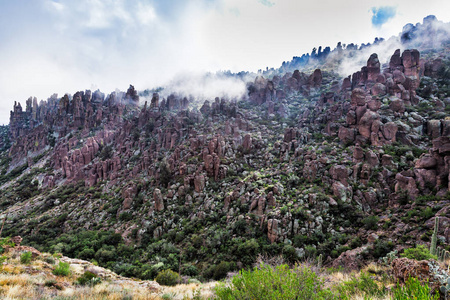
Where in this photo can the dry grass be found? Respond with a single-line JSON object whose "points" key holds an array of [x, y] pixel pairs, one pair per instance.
{"points": [[26, 286], [183, 291], [36, 281]]}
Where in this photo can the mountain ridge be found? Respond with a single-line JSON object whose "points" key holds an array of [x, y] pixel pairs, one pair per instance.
{"points": [[306, 164]]}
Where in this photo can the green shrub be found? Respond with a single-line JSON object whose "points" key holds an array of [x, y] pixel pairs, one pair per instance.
{"points": [[190, 270], [419, 253], [88, 278], [125, 216], [49, 260], [427, 213], [413, 289], [63, 269], [5, 242], [364, 284], [381, 248], [371, 222], [281, 282], [52, 283], [167, 277], [25, 258], [221, 270], [290, 254]]}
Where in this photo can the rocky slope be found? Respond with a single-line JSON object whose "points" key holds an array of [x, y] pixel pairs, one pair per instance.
{"points": [[307, 164]]}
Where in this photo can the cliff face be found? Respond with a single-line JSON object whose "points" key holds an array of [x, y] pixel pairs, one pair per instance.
{"points": [[298, 166]]}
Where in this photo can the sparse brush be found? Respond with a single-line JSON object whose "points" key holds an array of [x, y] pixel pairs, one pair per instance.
{"points": [[63, 269], [281, 282], [420, 252], [25, 257], [413, 289], [167, 277]]}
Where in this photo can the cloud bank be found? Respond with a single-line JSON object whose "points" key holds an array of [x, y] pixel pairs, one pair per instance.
{"points": [[62, 46]]}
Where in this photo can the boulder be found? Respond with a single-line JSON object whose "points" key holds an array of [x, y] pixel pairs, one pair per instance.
{"points": [[272, 230], [365, 124], [350, 259], [426, 161], [358, 97], [397, 105], [157, 197], [346, 135], [373, 67], [427, 271]]}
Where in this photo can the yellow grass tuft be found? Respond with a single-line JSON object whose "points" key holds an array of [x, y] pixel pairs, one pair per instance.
{"points": [[183, 291], [22, 280]]}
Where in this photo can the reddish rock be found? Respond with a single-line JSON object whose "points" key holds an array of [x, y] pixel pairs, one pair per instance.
{"points": [[339, 191], [406, 184], [16, 240], [346, 83], [397, 105], [346, 135], [339, 172], [365, 124], [315, 80], [199, 183], [271, 202], [247, 142], [387, 160], [373, 67], [390, 131], [396, 62], [351, 117], [378, 89], [425, 177], [372, 158], [360, 111], [272, 230], [426, 161], [157, 197], [427, 271], [358, 154], [373, 105], [404, 268], [434, 128], [358, 97], [398, 77], [411, 60], [350, 259], [128, 194]]}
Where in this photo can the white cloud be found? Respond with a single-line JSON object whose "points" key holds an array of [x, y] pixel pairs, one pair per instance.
{"points": [[64, 46]]}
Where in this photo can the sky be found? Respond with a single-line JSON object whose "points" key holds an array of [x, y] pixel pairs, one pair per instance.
{"points": [[63, 46]]}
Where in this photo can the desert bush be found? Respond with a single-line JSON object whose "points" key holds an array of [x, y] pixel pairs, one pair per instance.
{"points": [[364, 284], [413, 289], [221, 270], [25, 258], [4, 243], [419, 253], [167, 277], [88, 278], [49, 260], [290, 254], [371, 222], [381, 248], [190, 270], [279, 282], [63, 269]]}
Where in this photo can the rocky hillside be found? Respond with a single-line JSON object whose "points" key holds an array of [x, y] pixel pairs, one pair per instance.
{"points": [[307, 164]]}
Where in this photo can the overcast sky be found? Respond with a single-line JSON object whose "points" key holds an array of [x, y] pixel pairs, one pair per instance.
{"points": [[58, 46]]}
